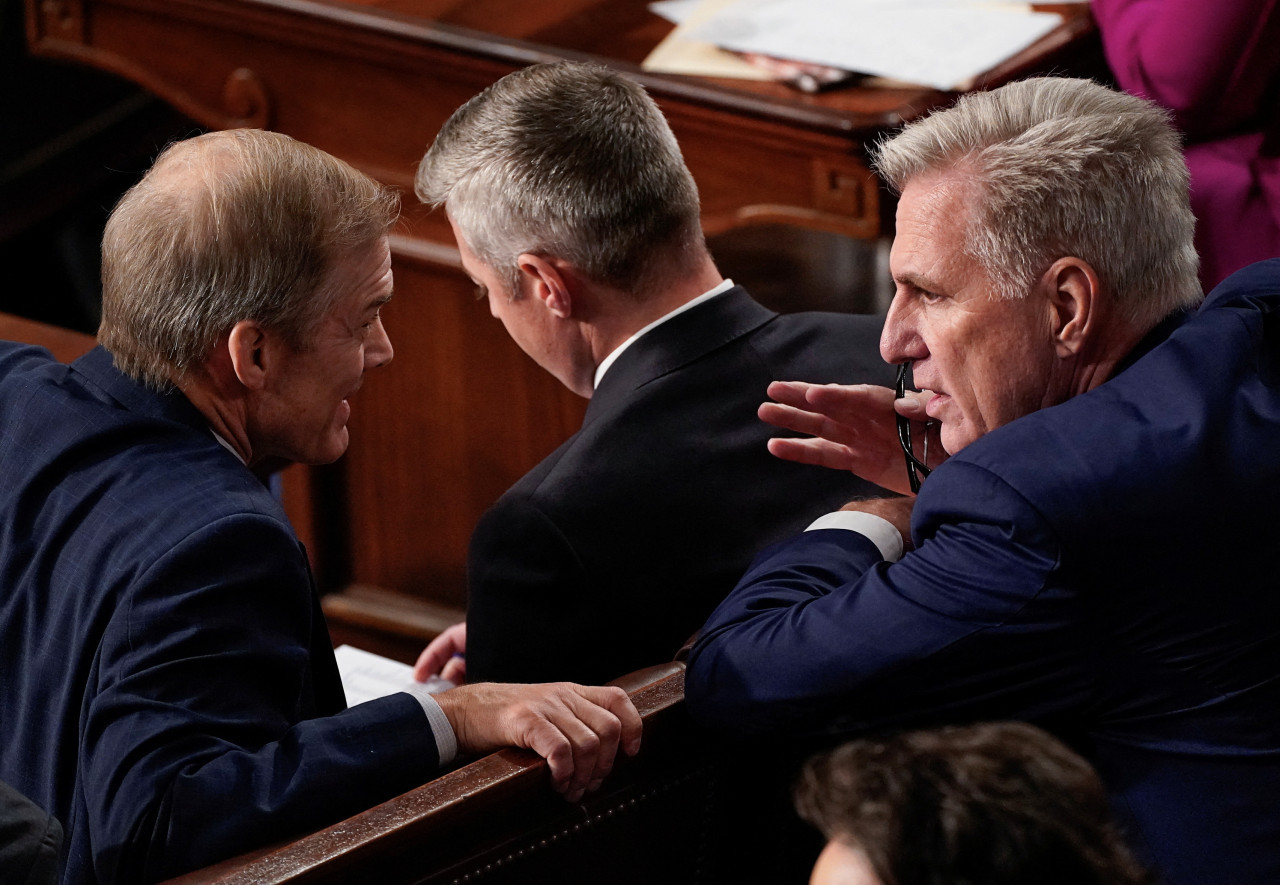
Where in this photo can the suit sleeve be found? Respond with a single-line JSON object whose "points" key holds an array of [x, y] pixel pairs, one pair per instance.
{"points": [[821, 635], [198, 744], [526, 593]]}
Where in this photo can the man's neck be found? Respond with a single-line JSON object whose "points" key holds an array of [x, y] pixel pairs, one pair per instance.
{"points": [[627, 315], [224, 413], [1101, 361], [650, 312]]}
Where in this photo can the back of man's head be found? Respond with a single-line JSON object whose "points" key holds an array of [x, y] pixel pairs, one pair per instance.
{"points": [[229, 226], [1063, 167], [572, 161]]}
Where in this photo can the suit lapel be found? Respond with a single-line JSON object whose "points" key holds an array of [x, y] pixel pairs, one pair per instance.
{"points": [[676, 343]]}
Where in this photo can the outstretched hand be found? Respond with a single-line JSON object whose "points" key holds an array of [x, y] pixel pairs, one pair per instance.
{"points": [[444, 656], [576, 728], [851, 427]]}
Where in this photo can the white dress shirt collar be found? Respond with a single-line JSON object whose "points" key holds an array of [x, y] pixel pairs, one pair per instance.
{"points": [[608, 361]]}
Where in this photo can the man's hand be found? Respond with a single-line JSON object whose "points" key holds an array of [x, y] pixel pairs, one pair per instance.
{"points": [[576, 728], [853, 427], [444, 656]]}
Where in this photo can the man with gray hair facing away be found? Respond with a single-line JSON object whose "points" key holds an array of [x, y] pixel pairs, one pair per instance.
{"points": [[575, 214], [170, 690], [1095, 554]]}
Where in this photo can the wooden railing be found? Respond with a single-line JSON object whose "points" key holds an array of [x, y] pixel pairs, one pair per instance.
{"points": [[685, 810]]}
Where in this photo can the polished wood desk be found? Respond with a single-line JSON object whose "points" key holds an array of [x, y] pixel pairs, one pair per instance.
{"points": [[461, 413]]}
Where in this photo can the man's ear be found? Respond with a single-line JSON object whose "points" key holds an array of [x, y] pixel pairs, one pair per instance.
{"points": [[247, 346], [550, 280], [1074, 294]]}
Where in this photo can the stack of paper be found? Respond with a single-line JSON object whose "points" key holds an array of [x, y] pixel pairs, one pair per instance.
{"points": [[940, 43], [366, 676]]}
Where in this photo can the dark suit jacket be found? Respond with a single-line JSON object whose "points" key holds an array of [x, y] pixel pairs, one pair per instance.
{"points": [[1106, 567], [163, 657], [611, 552], [30, 841]]}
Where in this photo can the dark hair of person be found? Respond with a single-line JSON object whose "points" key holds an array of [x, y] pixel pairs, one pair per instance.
{"points": [[987, 804]]}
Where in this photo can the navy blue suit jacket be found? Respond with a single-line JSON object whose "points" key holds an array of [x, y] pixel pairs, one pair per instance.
{"points": [[163, 658], [608, 555], [1106, 568]]}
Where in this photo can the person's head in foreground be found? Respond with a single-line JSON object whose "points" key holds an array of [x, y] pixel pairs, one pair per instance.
{"points": [[1043, 229], [247, 269], [990, 804]]}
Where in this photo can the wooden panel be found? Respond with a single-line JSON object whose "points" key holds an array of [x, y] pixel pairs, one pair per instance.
{"points": [[438, 435], [374, 90]]}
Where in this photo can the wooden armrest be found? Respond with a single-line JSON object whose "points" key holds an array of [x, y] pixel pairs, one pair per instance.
{"points": [[64, 344], [460, 815]]}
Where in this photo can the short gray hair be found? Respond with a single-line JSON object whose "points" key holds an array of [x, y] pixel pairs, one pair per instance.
{"points": [[1065, 167], [568, 160], [229, 226]]}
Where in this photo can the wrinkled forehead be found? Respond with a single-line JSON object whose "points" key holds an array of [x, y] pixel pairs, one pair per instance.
{"points": [[930, 246]]}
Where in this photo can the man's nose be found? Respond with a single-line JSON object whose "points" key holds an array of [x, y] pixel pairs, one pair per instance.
{"points": [[378, 351], [898, 335]]}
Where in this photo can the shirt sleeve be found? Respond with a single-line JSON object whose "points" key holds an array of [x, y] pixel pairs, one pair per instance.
{"points": [[445, 739], [879, 531]]}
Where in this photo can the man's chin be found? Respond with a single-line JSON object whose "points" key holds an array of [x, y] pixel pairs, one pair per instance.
{"points": [[336, 448], [331, 450], [954, 437]]}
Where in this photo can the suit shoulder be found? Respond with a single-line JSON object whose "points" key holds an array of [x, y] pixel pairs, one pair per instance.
{"points": [[823, 347]]}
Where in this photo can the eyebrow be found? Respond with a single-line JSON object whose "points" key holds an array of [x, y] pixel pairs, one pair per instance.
{"points": [[917, 282]]}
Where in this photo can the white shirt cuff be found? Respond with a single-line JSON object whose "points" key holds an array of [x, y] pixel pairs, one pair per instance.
{"points": [[441, 730], [880, 531]]}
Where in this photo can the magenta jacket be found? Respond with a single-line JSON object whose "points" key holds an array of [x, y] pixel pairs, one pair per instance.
{"points": [[1216, 65]]}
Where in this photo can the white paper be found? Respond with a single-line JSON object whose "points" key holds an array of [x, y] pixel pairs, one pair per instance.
{"points": [[939, 43], [674, 11], [366, 676], [679, 55]]}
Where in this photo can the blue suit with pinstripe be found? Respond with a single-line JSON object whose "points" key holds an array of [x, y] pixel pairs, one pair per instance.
{"points": [[167, 686]]}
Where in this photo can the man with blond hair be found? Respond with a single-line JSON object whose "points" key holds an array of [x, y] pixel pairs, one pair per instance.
{"points": [[170, 689]]}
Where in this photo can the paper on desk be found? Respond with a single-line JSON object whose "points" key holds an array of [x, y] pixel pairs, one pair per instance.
{"points": [[678, 11], [677, 54], [939, 43], [366, 676], [675, 11]]}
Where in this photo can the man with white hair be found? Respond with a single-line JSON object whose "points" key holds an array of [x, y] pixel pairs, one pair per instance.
{"points": [[1092, 551]]}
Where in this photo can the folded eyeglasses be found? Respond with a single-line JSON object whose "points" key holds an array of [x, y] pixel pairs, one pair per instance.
{"points": [[917, 469]]}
